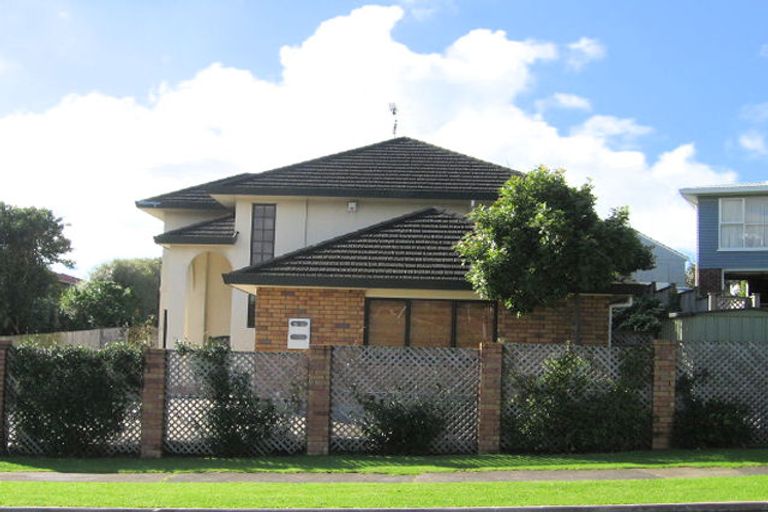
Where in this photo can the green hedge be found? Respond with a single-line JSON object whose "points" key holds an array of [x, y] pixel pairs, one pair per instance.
{"points": [[566, 410], [73, 400]]}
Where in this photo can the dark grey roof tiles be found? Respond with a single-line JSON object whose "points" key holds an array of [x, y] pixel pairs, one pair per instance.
{"points": [[193, 198], [396, 168], [216, 231], [402, 167], [412, 251]]}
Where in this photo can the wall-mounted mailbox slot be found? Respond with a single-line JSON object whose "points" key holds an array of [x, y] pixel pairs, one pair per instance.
{"points": [[299, 332]]}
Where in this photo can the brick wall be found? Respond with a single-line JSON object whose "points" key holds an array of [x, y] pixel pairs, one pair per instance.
{"points": [[556, 324], [153, 403], [664, 373], [709, 280], [4, 346], [337, 315]]}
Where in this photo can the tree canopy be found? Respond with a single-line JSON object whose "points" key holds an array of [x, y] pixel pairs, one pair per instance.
{"points": [[99, 303], [31, 240], [542, 240], [141, 276]]}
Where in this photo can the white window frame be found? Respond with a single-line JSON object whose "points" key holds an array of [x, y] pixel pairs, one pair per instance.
{"points": [[743, 225]]}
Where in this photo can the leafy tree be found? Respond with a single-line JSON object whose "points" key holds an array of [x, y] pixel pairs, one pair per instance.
{"points": [[141, 276], [31, 239], [644, 315], [542, 241], [99, 303]]}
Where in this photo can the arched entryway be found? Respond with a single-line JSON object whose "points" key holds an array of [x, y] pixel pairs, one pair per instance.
{"points": [[208, 300]]}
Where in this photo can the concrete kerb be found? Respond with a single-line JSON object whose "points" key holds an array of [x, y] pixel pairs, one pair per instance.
{"points": [[662, 507]]}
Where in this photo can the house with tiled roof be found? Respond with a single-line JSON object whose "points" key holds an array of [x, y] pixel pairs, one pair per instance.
{"points": [[351, 248]]}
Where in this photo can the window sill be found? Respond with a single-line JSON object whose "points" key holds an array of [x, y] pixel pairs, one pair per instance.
{"points": [[742, 249]]}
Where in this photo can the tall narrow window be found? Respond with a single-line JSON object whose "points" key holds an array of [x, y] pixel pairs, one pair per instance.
{"points": [[262, 233], [262, 245]]}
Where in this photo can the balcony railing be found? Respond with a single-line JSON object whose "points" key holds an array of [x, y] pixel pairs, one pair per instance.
{"points": [[721, 302]]}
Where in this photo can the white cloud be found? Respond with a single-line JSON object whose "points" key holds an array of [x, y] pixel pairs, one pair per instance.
{"points": [[565, 101], [764, 50], [583, 51], [756, 113], [6, 66], [91, 156], [753, 142], [605, 127]]}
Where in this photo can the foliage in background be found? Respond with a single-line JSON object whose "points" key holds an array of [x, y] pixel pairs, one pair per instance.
{"points": [[394, 425], [238, 422], [141, 276], [713, 423], [644, 315], [73, 400], [98, 303], [566, 409], [542, 240], [31, 240]]}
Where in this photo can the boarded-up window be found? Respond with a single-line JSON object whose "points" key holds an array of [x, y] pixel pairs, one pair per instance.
{"points": [[386, 323], [431, 323], [474, 323]]}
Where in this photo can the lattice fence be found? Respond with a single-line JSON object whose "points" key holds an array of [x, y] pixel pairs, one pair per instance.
{"points": [[735, 371], [18, 442], [527, 359], [278, 376], [449, 376]]}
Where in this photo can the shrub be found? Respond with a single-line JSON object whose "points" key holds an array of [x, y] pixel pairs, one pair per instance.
{"points": [[238, 422], [73, 400], [713, 423], [565, 409], [394, 425], [645, 315]]}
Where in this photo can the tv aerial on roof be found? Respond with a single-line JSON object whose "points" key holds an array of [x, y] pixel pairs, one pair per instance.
{"points": [[393, 110]]}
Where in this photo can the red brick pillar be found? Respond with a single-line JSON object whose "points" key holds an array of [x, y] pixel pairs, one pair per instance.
{"points": [[153, 403], [319, 400], [4, 346], [489, 406], [664, 378]]}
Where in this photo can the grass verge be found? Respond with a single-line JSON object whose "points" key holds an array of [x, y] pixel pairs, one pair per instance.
{"points": [[395, 465], [233, 495]]}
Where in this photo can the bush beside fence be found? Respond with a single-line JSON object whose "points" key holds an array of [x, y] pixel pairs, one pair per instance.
{"points": [[373, 399]]}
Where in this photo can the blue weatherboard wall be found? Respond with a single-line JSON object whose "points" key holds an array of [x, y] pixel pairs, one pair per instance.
{"points": [[709, 256]]}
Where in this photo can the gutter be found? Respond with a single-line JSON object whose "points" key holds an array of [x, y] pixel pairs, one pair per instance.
{"points": [[626, 304]]}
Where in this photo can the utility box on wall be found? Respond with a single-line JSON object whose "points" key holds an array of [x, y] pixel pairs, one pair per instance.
{"points": [[298, 332]]}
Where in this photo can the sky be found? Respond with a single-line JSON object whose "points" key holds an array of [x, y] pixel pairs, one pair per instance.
{"points": [[104, 103]]}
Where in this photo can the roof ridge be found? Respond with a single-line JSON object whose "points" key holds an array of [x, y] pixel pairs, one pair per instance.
{"points": [[334, 240]]}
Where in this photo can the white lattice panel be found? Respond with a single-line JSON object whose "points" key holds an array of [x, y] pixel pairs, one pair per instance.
{"points": [[278, 376], [733, 371], [447, 375], [527, 359]]}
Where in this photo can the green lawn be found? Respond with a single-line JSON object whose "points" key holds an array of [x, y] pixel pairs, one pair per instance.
{"points": [[232, 495], [396, 465]]}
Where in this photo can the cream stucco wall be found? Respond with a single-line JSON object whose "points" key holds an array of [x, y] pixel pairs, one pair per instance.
{"points": [[300, 221]]}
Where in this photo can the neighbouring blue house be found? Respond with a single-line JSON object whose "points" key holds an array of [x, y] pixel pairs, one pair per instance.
{"points": [[732, 236]]}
